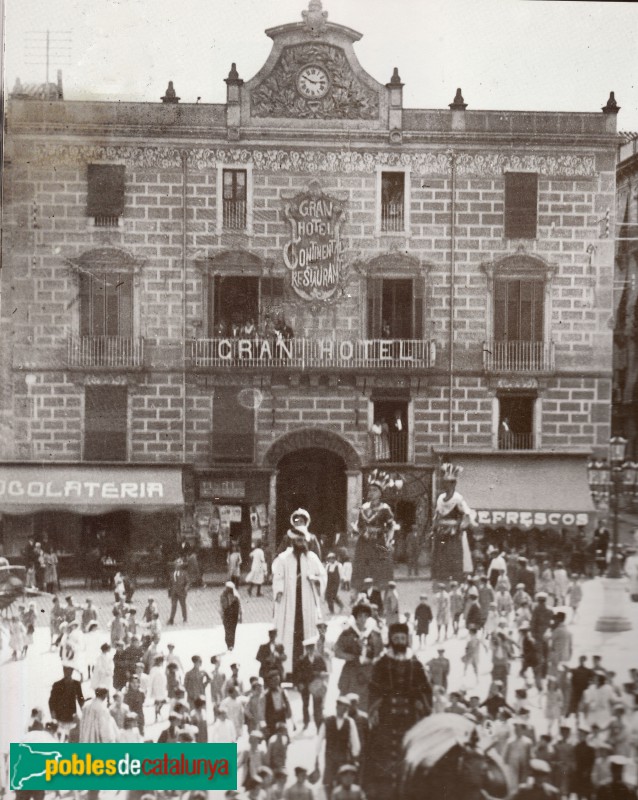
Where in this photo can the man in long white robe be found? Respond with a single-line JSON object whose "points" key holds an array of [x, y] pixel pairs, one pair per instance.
{"points": [[297, 573]]}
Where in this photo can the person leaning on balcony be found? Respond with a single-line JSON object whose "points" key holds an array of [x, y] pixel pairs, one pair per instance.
{"points": [[505, 434]]}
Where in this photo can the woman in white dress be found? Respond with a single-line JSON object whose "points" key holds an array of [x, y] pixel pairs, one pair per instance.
{"points": [[258, 571]]}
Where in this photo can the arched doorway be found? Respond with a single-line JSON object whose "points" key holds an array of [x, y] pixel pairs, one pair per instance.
{"points": [[314, 479]]}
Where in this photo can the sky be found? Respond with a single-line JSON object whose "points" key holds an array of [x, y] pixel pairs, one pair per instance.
{"points": [[504, 54]]}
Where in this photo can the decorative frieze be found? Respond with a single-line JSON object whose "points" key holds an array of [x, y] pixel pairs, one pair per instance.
{"points": [[333, 162]]}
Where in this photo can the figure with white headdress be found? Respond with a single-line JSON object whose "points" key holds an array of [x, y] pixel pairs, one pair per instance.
{"points": [[373, 556], [451, 556], [298, 583], [299, 525]]}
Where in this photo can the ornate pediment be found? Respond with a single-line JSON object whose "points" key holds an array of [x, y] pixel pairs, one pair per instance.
{"points": [[314, 81]]}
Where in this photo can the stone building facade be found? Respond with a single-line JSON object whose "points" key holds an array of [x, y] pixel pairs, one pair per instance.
{"points": [[270, 297], [625, 391]]}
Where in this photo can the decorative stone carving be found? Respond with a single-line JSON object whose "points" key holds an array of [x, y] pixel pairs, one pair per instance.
{"points": [[484, 164], [315, 18], [281, 94]]}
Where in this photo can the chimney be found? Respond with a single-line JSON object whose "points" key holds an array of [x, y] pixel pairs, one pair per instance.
{"points": [[457, 107], [170, 96], [610, 110], [395, 106], [60, 92], [233, 101]]}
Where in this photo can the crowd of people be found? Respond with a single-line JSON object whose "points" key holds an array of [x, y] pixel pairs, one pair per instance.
{"points": [[556, 718]]}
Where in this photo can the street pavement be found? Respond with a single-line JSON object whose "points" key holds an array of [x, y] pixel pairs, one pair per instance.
{"points": [[26, 684]]}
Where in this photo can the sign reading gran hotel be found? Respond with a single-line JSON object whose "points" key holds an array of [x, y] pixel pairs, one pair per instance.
{"points": [[314, 253]]}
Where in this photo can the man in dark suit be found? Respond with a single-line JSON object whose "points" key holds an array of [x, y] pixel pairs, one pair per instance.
{"points": [[584, 758], [616, 789], [373, 595], [66, 695], [582, 676], [177, 590], [267, 654]]}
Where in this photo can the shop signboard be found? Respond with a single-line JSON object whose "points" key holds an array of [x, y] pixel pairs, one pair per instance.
{"points": [[532, 519]]}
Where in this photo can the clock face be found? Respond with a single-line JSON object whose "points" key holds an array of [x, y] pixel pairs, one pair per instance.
{"points": [[313, 82]]}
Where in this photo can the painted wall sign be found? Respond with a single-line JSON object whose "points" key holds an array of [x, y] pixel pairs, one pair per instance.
{"points": [[533, 519], [314, 252]]}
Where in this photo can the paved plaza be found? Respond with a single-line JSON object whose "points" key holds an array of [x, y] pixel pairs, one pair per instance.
{"points": [[27, 683]]}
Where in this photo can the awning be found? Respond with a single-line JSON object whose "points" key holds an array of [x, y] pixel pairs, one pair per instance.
{"points": [[527, 491], [28, 488]]}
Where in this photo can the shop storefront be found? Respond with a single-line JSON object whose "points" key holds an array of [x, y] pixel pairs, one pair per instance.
{"points": [[230, 506], [539, 503], [122, 512]]}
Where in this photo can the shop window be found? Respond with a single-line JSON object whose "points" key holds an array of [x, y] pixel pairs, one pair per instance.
{"points": [[240, 305], [521, 205], [234, 199], [105, 423], [516, 422], [395, 308], [106, 304], [393, 202], [105, 196], [233, 426], [389, 433]]}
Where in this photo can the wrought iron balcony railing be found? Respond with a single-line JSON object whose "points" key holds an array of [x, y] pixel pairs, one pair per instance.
{"points": [[515, 441], [311, 353], [105, 351], [234, 214], [518, 356], [392, 217]]}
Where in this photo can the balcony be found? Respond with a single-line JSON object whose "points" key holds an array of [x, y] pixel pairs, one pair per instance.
{"points": [[515, 441], [392, 218], [303, 354], [518, 356], [391, 446], [110, 352], [234, 215]]}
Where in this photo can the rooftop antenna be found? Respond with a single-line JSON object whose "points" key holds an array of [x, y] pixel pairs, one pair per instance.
{"points": [[43, 47]]}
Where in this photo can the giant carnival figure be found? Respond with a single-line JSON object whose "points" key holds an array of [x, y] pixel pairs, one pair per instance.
{"points": [[373, 555], [444, 758], [451, 556]]}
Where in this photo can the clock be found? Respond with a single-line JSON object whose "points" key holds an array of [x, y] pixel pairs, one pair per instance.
{"points": [[313, 82]]}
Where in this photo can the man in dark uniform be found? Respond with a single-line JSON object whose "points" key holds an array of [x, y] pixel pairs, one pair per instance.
{"points": [[539, 625], [400, 695], [582, 676], [538, 788], [616, 789]]}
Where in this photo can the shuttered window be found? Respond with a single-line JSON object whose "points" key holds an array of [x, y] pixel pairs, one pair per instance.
{"points": [[233, 426], [395, 308], [105, 423], [518, 310], [105, 199], [106, 304], [521, 205]]}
